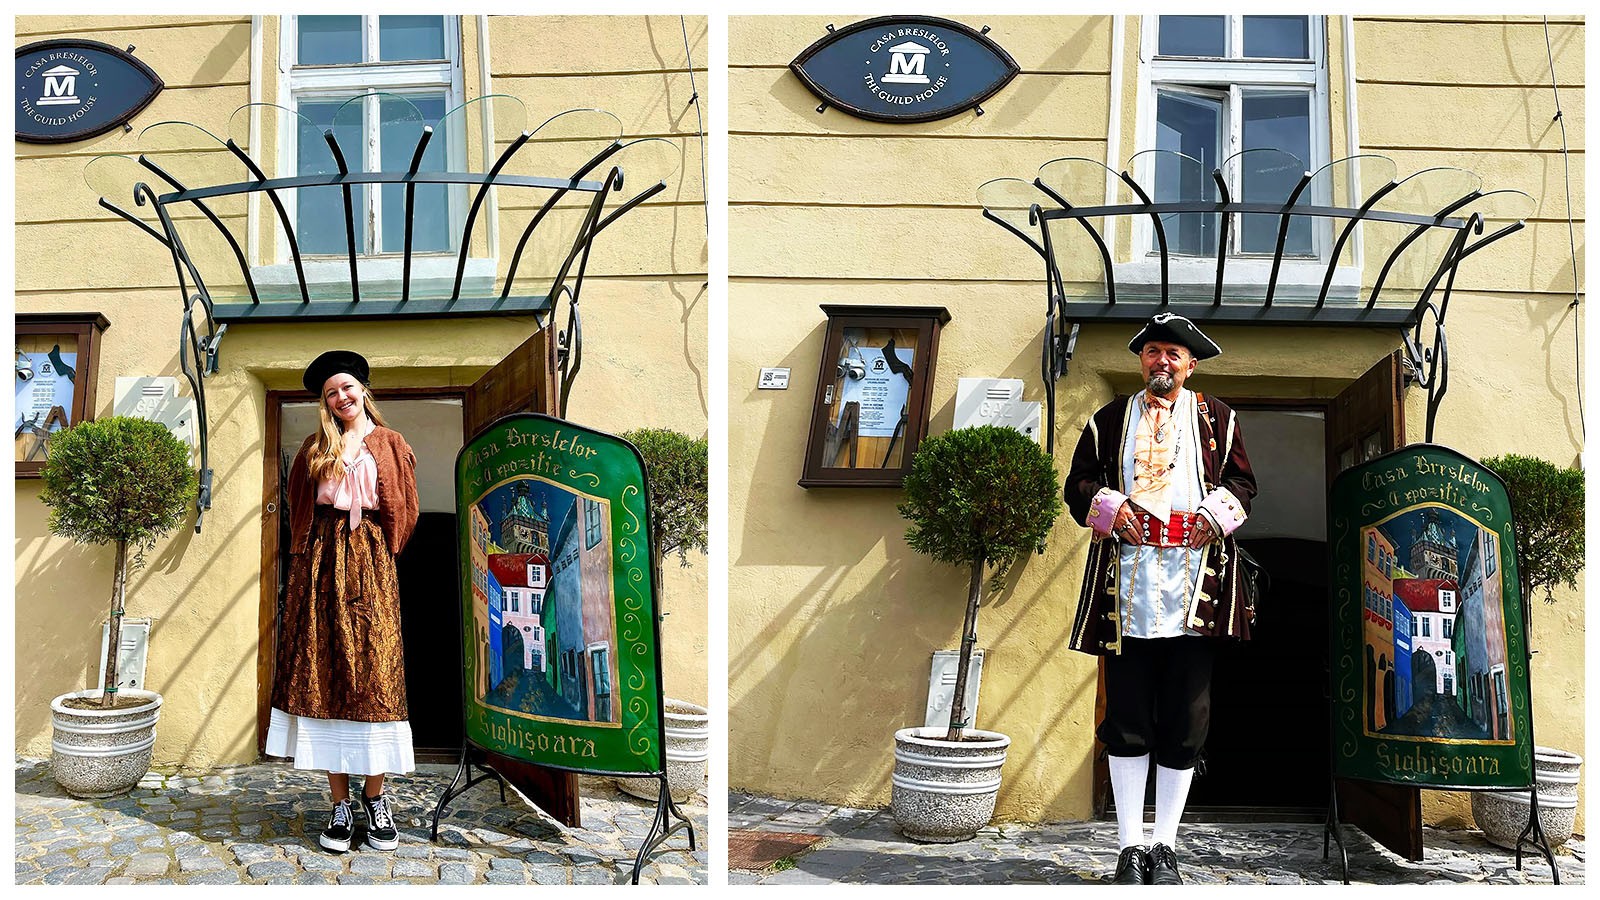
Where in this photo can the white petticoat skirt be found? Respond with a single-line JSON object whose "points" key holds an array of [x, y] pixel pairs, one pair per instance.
{"points": [[340, 745]]}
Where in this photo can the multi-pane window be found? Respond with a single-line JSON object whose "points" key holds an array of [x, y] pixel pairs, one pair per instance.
{"points": [[1223, 85], [374, 81], [591, 523], [600, 667]]}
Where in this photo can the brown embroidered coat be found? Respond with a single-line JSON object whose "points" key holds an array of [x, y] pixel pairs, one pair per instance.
{"points": [[398, 508], [1218, 609], [340, 653]]}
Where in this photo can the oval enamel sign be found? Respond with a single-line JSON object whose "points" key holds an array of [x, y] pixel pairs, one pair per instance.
{"points": [[71, 90], [904, 68]]}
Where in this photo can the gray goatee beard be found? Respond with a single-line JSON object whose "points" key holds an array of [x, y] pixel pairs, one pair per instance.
{"points": [[1160, 384]]}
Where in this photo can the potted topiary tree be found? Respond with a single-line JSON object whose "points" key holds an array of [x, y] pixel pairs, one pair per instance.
{"points": [[676, 466], [127, 482], [979, 498], [1547, 512]]}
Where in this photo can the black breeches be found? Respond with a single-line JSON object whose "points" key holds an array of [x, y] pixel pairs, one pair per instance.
{"points": [[1158, 699]]}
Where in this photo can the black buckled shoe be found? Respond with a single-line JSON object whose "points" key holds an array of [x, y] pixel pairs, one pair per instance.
{"points": [[381, 833], [336, 836], [1133, 866], [1164, 865]]}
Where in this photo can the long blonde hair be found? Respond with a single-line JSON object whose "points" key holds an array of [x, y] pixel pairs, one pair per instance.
{"points": [[326, 461]]}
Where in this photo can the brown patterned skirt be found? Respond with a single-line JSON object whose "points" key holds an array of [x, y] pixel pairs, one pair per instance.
{"points": [[339, 651]]}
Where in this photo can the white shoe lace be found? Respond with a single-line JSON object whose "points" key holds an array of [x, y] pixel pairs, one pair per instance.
{"points": [[379, 808], [341, 815]]}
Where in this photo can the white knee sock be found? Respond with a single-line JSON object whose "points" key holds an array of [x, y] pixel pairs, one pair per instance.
{"points": [[1128, 775], [1172, 790]]}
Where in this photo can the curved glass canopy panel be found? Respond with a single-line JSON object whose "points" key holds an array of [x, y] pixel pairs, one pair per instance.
{"points": [[1011, 200], [1268, 175], [1168, 176], [633, 174], [566, 144], [1345, 183], [648, 170], [466, 138], [460, 133], [184, 156], [112, 178], [495, 134], [1502, 213], [1081, 181], [1402, 258], [1083, 246]]}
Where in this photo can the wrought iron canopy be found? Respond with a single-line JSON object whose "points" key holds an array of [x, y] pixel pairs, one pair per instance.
{"points": [[1364, 247], [384, 215]]}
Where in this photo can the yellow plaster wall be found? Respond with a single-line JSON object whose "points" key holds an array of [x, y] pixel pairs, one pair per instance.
{"points": [[645, 359], [832, 619]]}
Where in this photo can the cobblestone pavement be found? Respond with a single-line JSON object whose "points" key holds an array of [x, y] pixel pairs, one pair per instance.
{"points": [[259, 825], [862, 846]]}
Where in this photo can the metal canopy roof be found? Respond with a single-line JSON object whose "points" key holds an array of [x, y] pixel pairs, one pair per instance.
{"points": [[564, 178], [1364, 247]]}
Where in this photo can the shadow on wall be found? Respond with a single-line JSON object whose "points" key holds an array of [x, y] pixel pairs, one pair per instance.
{"points": [[817, 719], [74, 582], [690, 339]]}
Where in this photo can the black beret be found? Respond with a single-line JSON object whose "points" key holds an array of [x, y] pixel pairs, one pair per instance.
{"points": [[332, 363], [1175, 329]]}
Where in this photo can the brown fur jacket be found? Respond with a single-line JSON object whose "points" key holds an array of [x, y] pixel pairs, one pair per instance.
{"points": [[397, 490]]}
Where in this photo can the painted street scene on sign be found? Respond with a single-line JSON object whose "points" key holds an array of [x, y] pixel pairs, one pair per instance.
{"points": [[1434, 629], [542, 602]]}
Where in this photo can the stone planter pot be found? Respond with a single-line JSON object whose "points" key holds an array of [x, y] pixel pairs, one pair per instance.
{"points": [[944, 792], [102, 753], [1502, 815], [687, 750]]}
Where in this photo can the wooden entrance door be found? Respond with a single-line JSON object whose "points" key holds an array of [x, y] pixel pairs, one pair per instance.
{"points": [[1365, 421], [524, 382]]}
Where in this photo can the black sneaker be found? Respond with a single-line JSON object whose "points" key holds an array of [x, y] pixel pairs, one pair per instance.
{"points": [[336, 836], [1133, 866], [1164, 865], [381, 833]]}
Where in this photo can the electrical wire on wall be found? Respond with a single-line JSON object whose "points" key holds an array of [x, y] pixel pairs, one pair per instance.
{"points": [[1572, 243], [700, 127]]}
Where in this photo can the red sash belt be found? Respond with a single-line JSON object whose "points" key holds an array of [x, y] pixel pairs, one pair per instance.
{"points": [[1174, 532]]}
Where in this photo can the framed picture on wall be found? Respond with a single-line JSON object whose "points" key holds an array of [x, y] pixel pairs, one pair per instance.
{"points": [[56, 367], [871, 408]]}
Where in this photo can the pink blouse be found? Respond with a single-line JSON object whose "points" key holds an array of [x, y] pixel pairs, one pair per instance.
{"points": [[357, 490]]}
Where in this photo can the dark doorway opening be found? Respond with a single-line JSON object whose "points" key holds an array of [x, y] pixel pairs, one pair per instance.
{"points": [[1267, 755], [432, 422]]}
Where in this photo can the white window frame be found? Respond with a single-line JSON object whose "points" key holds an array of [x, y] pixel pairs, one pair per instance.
{"points": [[1298, 277], [380, 271]]}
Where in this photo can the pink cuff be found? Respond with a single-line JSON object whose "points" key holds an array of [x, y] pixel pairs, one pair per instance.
{"points": [[1224, 509], [1103, 510]]}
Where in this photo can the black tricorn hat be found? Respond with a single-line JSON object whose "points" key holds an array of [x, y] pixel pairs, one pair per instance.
{"points": [[1175, 329], [332, 363]]}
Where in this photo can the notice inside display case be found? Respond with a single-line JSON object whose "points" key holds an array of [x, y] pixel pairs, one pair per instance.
{"points": [[55, 369], [872, 394]]}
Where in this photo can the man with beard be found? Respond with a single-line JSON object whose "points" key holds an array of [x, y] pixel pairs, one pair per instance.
{"points": [[1163, 481]]}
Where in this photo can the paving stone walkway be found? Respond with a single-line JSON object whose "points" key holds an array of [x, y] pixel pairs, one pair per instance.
{"points": [[259, 824], [862, 846]]}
